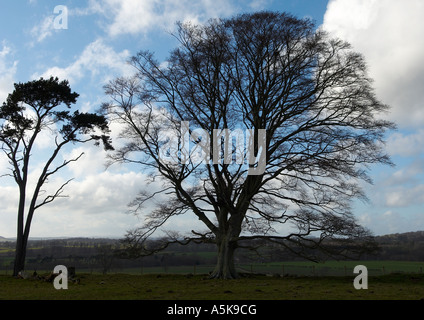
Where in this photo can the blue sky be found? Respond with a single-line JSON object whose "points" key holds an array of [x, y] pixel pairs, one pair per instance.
{"points": [[101, 35]]}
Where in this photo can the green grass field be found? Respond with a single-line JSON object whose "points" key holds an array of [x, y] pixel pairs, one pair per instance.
{"points": [[388, 280], [339, 268], [299, 268], [181, 287]]}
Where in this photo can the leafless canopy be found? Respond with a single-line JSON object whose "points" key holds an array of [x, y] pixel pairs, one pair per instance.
{"points": [[270, 71]]}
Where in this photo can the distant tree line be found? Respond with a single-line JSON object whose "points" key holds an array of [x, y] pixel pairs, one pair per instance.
{"points": [[100, 254], [404, 246]]}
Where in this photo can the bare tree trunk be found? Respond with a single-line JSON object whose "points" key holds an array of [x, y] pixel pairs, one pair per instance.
{"points": [[227, 242], [20, 254], [22, 242], [20, 251], [225, 267]]}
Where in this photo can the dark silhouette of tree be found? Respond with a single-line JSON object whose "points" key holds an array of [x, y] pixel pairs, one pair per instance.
{"points": [[34, 107], [263, 71]]}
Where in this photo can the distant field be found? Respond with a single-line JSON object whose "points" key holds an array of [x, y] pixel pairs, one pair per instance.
{"points": [[181, 287], [299, 268], [338, 268]]}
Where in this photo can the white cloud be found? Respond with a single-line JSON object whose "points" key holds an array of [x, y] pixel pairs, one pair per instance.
{"points": [[404, 197], [55, 21], [4, 166], [104, 192], [407, 176], [96, 59], [140, 16], [389, 33], [384, 222], [258, 4], [8, 69], [96, 206], [44, 29], [406, 144]]}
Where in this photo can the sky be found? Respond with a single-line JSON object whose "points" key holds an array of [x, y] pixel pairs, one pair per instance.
{"points": [[89, 42]]}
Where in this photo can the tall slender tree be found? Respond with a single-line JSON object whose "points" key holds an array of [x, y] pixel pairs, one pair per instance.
{"points": [[262, 71], [34, 107]]}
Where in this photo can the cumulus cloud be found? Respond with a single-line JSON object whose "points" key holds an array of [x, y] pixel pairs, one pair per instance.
{"points": [[44, 29], [392, 221], [97, 59], [140, 16], [104, 192], [404, 144], [401, 187], [8, 69], [96, 202], [389, 33], [404, 197]]}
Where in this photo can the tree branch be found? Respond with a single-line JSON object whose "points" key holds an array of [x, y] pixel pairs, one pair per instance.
{"points": [[51, 198]]}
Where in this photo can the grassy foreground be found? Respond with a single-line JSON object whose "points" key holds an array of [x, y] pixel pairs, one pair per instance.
{"points": [[180, 287]]}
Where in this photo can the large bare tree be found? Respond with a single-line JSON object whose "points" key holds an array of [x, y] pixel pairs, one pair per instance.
{"points": [[33, 108], [312, 127]]}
